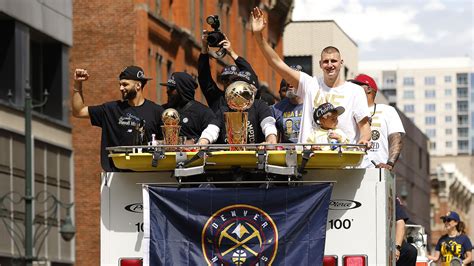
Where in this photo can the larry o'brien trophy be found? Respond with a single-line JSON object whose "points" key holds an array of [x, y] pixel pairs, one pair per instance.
{"points": [[171, 127], [239, 96]]}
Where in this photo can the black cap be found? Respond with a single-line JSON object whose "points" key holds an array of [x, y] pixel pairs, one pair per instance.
{"points": [[230, 70], [170, 83], [133, 73], [326, 108], [245, 76]]}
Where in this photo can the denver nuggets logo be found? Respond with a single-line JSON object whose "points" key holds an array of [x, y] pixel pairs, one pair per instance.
{"points": [[375, 135], [239, 235]]}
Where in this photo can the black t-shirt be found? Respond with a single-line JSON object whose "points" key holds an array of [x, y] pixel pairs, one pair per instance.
{"points": [[400, 213], [119, 120], [195, 117], [256, 113]]}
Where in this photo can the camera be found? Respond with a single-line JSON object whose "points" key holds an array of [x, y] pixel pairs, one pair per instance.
{"points": [[214, 37]]}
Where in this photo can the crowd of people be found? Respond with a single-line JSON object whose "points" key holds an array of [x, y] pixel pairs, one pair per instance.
{"points": [[310, 110]]}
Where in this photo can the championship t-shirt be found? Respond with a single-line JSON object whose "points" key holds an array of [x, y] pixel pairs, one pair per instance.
{"points": [[288, 120], [450, 247], [385, 121], [119, 121], [348, 95]]}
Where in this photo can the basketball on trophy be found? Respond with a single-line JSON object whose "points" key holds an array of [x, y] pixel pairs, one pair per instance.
{"points": [[170, 117], [239, 95]]}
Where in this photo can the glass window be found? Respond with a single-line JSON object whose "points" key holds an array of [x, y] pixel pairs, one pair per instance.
{"points": [[449, 131], [430, 94], [462, 120], [430, 120], [463, 145], [447, 79], [408, 81], [408, 94], [431, 132], [431, 107], [409, 108], [449, 144], [430, 80], [462, 78], [463, 106], [432, 145], [462, 92], [448, 92], [411, 119], [448, 106], [448, 119], [463, 132]]}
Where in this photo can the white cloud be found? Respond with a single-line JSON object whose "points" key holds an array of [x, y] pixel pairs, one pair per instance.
{"points": [[364, 23], [434, 5]]}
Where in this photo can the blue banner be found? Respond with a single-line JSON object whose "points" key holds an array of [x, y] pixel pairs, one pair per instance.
{"points": [[235, 226]]}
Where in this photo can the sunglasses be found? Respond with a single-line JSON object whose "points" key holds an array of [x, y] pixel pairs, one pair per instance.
{"points": [[447, 220]]}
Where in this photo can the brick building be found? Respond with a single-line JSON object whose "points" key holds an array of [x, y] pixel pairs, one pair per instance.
{"points": [[162, 37]]}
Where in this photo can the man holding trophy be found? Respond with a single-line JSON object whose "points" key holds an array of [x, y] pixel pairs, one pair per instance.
{"points": [[196, 121], [246, 119]]}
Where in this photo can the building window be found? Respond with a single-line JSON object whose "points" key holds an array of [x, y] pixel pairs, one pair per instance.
{"points": [[409, 94], [389, 82], [411, 119], [447, 79], [448, 119], [449, 144], [430, 80], [430, 120], [408, 81], [448, 106], [449, 131], [462, 120], [431, 132], [463, 145], [462, 92], [462, 78], [305, 61], [429, 94], [448, 92], [409, 108], [463, 106], [431, 107], [432, 145], [463, 132]]}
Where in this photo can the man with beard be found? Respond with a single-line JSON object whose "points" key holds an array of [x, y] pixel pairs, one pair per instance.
{"points": [[197, 121], [287, 112], [129, 121], [313, 91]]}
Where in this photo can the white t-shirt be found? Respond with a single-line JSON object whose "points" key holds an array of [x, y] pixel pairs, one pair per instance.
{"points": [[385, 121], [349, 95], [321, 136]]}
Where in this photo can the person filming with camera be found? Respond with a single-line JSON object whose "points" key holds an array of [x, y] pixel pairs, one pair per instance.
{"points": [[213, 94], [454, 245]]}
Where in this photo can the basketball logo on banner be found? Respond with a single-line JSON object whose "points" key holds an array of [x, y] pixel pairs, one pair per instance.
{"points": [[240, 235]]}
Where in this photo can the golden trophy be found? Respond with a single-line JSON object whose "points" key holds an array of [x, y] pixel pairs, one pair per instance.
{"points": [[239, 96], [171, 127]]}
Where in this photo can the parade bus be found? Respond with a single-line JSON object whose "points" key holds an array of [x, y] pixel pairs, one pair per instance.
{"points": [[360, 227]]}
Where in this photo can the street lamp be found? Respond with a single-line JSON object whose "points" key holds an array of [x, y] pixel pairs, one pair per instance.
{"points": [[27, 237]]}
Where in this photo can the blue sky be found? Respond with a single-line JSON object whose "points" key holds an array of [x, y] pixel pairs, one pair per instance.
{"points": [[402, 29]]}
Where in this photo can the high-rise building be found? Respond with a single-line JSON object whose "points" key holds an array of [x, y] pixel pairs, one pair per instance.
{"points": [[34, 53], [162, 37], [435, 94]]}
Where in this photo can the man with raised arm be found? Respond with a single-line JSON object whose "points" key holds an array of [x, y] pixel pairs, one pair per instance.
{"points": [[130, 121], [355, 120]]}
